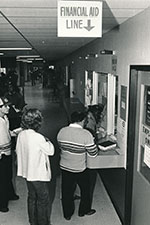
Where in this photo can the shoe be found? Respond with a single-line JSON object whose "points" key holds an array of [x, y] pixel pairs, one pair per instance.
{"points": [[91, 212], [4, 209], [68, 218], [14, 198]]}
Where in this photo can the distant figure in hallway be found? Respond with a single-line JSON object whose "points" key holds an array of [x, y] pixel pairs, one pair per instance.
{"points": [[62, 97], [33, 77], [12, 77], [75, 143], [32, 151], [17, 104], [6, 187]]}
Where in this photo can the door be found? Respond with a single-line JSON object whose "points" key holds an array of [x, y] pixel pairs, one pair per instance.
{"points": [[140, 213]]}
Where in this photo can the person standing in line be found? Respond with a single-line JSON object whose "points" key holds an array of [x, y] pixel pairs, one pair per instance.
{"points": [[33, 151], [75, 143], [6, 187], [33, 77]]}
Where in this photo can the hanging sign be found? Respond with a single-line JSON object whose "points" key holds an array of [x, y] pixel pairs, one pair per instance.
{"points": [[79, 19]]}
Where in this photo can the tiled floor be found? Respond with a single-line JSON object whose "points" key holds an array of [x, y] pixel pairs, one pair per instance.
{"points": [[54, 119]]}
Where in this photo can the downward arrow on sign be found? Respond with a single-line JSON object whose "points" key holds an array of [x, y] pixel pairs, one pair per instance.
{"points": [[89, 27]]}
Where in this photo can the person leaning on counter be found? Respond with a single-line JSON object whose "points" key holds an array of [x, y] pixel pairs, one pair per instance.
{"points": [[94, 121]]}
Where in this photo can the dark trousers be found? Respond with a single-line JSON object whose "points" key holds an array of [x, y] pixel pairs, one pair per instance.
{"points": [[69, 180], [38, 202], [6, 186]]}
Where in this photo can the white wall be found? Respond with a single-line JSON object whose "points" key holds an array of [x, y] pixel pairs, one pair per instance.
{"points": [[131, 41]]}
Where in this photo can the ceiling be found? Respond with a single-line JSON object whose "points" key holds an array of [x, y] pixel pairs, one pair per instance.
{"points": [[33, 23]]}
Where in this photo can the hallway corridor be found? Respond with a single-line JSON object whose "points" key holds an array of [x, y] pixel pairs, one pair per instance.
{"points": [[54, 119]]}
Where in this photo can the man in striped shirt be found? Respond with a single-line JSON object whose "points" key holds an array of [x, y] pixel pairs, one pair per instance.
{"points": [[75, 144]]}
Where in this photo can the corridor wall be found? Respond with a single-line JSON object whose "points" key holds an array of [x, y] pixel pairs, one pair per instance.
{"points": [[131, 44]]}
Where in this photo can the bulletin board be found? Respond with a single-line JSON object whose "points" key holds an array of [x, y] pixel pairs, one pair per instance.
{"points": [[123, 102]]}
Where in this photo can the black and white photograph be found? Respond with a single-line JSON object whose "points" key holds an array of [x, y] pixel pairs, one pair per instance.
{"points": [[74, 112]]}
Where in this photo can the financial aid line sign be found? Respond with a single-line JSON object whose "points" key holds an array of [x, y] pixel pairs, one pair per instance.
{"points": [[79, 19]]}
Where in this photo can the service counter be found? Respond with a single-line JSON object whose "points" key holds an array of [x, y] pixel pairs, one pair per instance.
{"points": [[112, 158]]}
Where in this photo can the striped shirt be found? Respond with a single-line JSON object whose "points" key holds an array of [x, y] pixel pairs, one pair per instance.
{"points": [[75, 143], [5, 138]]}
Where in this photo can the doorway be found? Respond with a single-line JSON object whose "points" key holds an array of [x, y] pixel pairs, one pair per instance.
{"points": [[137, 199], [131, 195]]}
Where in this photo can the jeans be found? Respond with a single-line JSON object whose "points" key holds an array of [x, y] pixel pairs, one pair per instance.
{"points": [[38, 202]]}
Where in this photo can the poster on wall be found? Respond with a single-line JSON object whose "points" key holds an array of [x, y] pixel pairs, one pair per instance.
{"points": [[123, 103], [114, 65], [147, 113], [147, 155], [102, 88], [89, 92]]}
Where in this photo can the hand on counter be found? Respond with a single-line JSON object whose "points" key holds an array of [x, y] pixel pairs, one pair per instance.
{"points": [[101, 133]]}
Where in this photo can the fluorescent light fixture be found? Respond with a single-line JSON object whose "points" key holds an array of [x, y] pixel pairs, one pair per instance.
{"points": [[21, 60], [1, 53], [92, 55], [31, 59], [39, 59], [27, 56], [107, 52], [51, 67], [14, 49]]}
